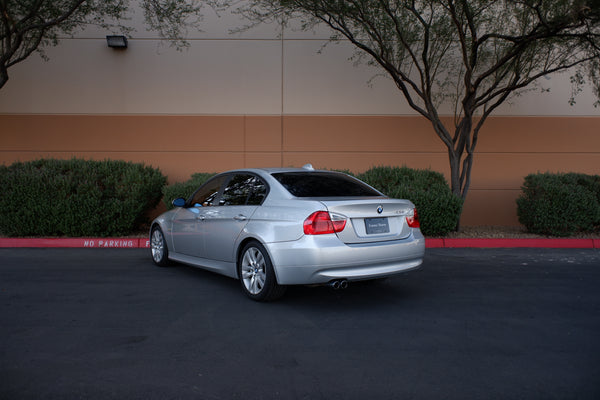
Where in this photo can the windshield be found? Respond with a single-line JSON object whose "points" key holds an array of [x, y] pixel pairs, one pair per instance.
{"points": [[323, 184]]}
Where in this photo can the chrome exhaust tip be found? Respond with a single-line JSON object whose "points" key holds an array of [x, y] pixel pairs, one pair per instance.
{"points": [[339, 284]]}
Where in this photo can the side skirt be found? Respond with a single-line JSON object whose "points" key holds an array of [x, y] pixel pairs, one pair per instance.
{"points": [[220, 267]]}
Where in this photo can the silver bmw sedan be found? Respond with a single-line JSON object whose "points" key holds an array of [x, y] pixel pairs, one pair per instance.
{"points": [[271, 228]]}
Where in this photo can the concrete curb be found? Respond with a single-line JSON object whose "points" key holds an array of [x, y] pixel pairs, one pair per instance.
{"points": [[138, 243]]}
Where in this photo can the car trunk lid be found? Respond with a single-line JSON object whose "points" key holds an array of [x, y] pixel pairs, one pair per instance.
{"points": [[373, 220]]}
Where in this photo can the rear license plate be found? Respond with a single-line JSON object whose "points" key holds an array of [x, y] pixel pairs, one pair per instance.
{"points": [[377, 225]]}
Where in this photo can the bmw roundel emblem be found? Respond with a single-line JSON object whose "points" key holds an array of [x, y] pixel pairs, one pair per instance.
{"points": [[379, 209]]}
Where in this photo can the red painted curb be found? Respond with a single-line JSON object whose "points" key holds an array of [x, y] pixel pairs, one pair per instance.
{"points": [[430, 243], [113, 243], [434, 243], [513, 243]]}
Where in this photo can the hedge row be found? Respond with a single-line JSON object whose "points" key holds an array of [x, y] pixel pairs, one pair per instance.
{"points": [[560, 204], [77, 197], [111, 198]]}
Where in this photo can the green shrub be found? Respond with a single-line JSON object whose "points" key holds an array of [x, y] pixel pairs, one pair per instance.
{"points": [[185, 189], [77, 197], [439, 209], [560, 204]]}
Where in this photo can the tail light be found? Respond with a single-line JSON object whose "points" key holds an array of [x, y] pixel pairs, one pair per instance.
{"points": [[413, 220], [322, 222]]}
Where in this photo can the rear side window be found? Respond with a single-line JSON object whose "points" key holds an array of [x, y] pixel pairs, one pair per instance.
{"points": [[323, 184], [244, 189]]}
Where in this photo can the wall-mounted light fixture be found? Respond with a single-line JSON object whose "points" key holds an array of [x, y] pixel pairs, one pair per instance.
{"points": [[116, 41]]}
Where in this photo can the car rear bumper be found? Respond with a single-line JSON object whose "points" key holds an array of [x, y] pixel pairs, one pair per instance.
{"points": [[323, 258]]}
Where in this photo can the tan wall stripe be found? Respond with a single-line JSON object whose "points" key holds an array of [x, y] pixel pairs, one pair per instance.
{"points": [[509, 147]]}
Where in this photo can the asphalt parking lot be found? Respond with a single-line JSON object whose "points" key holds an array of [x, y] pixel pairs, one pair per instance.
{"points": [[471, 324]]}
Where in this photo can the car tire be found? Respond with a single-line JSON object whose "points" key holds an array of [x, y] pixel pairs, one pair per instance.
{"points": [[158, 247], [256, 273]]}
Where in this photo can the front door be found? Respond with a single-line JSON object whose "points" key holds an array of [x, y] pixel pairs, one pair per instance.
{"points": [[189, 229]]}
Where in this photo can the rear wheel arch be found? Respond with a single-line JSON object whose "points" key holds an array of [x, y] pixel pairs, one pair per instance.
{"points": [[240, 248], [260, 280]]}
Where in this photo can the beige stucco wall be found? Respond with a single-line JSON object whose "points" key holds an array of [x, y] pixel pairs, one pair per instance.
{"points": [[261, 72]]}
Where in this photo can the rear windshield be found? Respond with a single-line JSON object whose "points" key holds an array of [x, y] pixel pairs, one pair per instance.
{"points": [[323, 184]]}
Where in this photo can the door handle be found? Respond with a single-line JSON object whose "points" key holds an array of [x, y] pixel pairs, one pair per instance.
{"points": [[201, 217], [240, 217]]}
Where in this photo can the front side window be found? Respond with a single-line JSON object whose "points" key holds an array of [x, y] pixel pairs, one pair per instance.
{"points": [[323, 184], [244, 189], [207, 195]]}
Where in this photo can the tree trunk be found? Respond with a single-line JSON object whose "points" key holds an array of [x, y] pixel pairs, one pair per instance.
{"points": [[455, 173], [464, 141]]}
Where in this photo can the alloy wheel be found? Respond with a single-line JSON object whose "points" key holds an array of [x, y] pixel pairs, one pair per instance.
{"points": [[254, 272]]}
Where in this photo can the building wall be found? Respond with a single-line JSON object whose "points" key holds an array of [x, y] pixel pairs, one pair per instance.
{"points": [[510, 147], [270, 98]]}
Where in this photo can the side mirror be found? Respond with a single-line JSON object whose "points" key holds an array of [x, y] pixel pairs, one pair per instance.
{"points": [[179, 202]]}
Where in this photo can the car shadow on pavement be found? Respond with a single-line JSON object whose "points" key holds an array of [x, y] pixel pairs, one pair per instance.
{"points": [[361, 294]]}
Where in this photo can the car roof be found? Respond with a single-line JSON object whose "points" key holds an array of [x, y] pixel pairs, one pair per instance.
{"points": [[306, 168]]}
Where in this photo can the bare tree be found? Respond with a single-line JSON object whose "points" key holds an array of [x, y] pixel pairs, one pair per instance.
{"points": [[471, 54], [27, 26]]}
